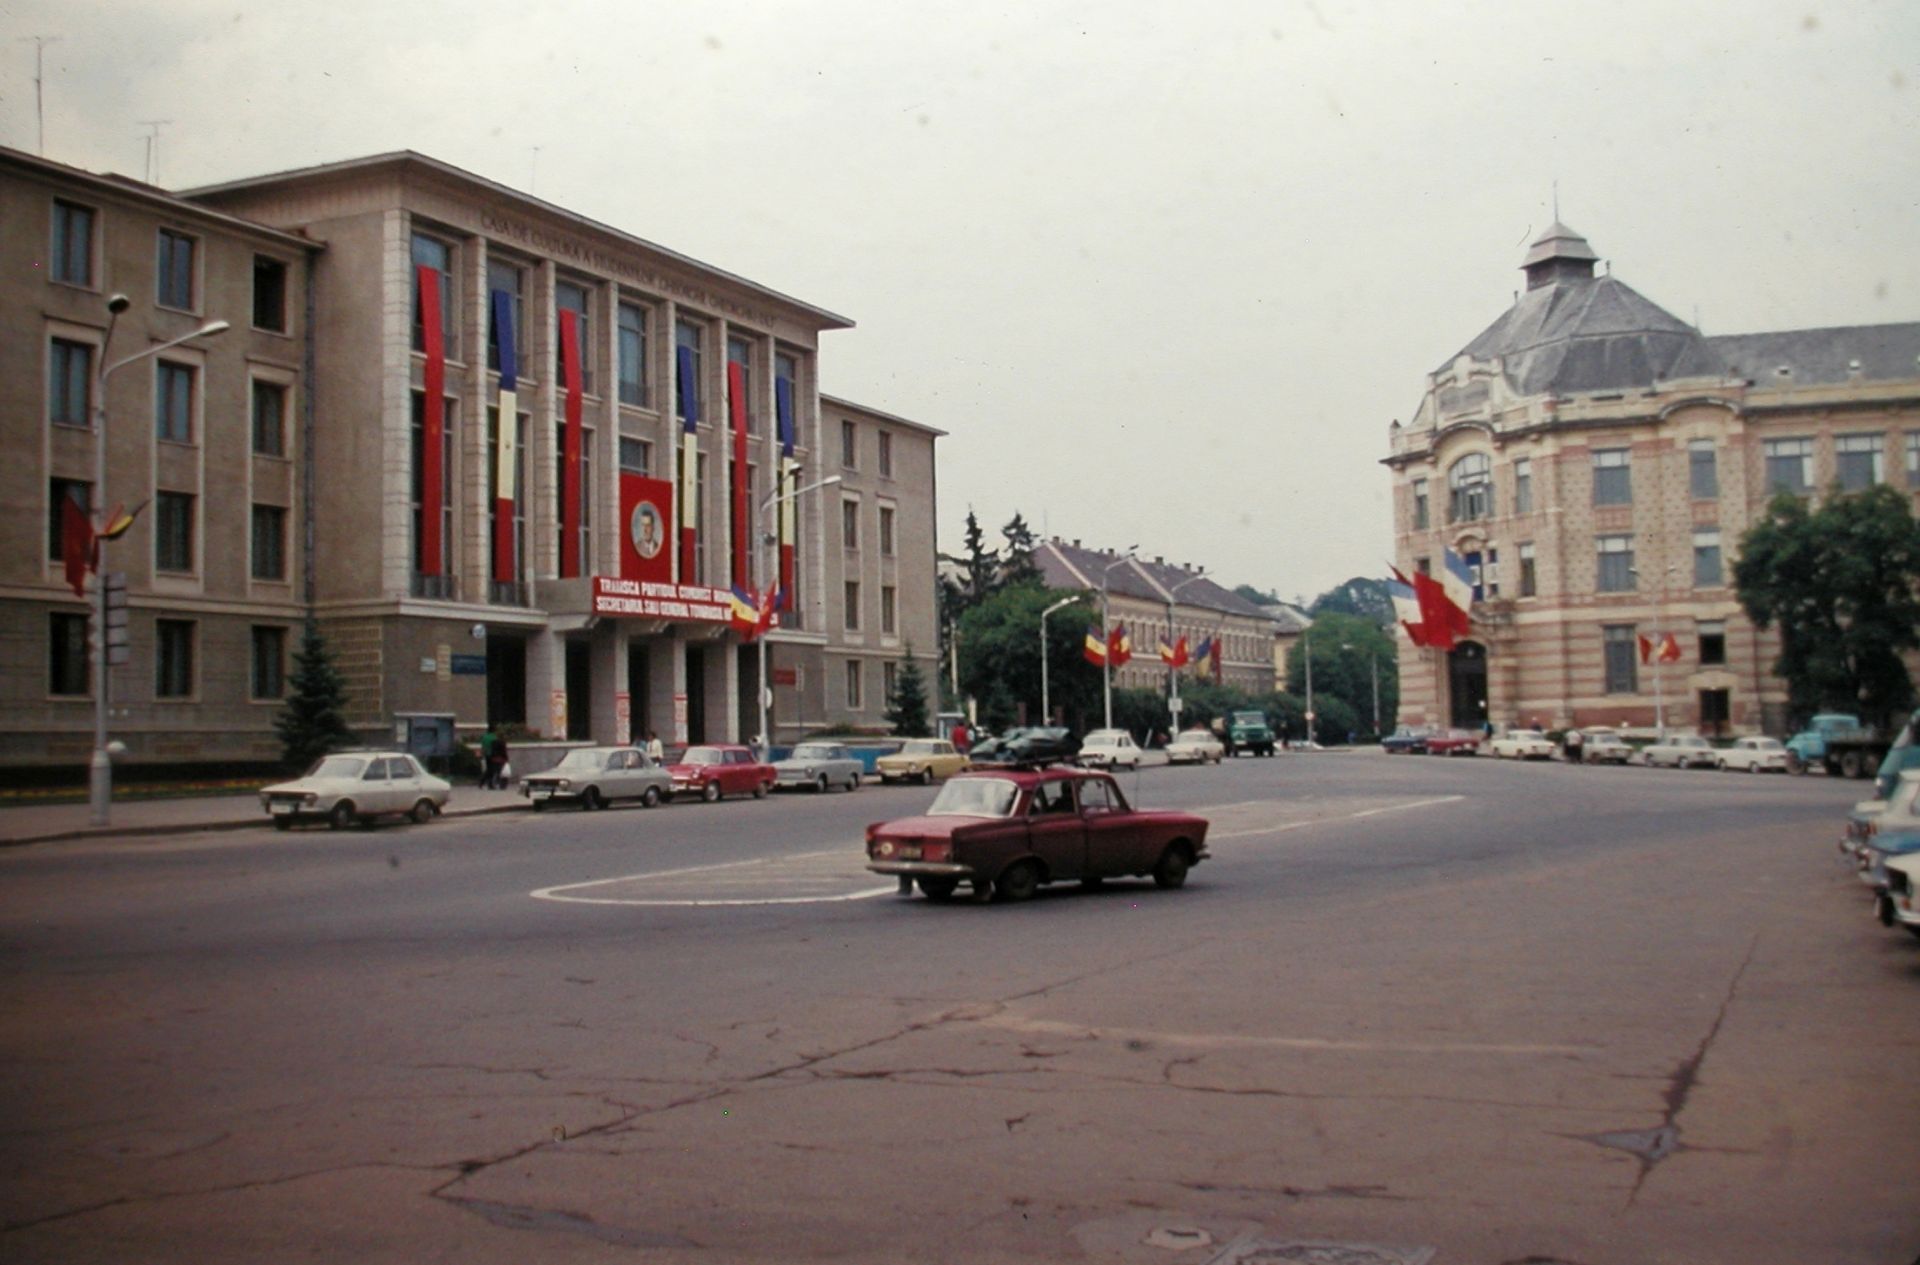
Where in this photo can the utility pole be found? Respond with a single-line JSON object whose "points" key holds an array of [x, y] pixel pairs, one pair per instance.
{"points": [[40, 43]]}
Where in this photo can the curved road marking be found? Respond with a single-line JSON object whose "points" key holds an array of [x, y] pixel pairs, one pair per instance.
{"points": [[1322, 821], [555, 893]]}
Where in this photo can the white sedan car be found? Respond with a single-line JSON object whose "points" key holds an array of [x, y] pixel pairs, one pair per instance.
{"points": [[1755, 755], [1684, 751], [1522, 744], [1195, 746], [1110, 749], [1899, 905], [352, 788]]}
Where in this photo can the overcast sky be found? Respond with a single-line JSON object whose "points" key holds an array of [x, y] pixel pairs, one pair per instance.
{"points": [[1165, 272]]}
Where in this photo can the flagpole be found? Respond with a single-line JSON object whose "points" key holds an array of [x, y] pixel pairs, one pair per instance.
{"points": [[1106, 627], [1173, 670]]}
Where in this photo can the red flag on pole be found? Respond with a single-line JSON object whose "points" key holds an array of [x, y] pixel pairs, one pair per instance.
{"points": [[1436, 612], [570, 559], [433, 419], [77, 548], [1669, 649]]}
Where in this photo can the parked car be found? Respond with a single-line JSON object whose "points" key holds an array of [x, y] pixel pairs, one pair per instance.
{"points": [[1407, 740], [818, 765], [593, 777], [1195, 746], [1604, 747], [921, 760], [1110, 748], [1007, 832], [715, 770], [1522, 744], [1892, 832], [1754, 755], [1454, 742], [1899, 904], [1033, 746], [1681, 751], [350, 788]]}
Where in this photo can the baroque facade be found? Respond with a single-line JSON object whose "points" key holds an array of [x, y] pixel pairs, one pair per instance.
{"points": [[1595, 461]]}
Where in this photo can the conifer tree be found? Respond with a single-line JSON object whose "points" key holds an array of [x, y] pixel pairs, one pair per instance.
{"points": [[314, 721], [907, 704]]}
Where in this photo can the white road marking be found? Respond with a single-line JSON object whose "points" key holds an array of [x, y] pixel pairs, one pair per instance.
{"points": [[1222, 1040], [1321, 821]]}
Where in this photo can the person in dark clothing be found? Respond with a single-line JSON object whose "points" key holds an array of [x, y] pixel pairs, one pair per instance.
{"points": [[497, 765]]}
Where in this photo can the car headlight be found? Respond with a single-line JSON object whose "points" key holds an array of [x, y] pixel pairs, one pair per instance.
{"points": [[310, 799], [563, 783]]}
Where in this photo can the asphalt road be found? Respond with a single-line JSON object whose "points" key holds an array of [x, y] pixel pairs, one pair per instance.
{"points": [[1434, 1010]]}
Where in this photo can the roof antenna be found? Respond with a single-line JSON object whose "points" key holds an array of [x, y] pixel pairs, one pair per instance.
{"points": [[1556, 199], [153, 147], [40, 43]]}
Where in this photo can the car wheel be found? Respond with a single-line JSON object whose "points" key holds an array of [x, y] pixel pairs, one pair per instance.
{"points": [[820, 784], [710, 792], [853, 781], [283, 823], [422, 812], [760, 790], [650, 798], [938, 889], [539, 805], [1850, 765], [1795, 764], [1751, 768], [926, 777], [1171, 869], [590, 799], [1018, 882], [341, 817]]}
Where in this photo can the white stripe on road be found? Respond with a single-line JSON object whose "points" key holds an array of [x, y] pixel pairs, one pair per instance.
{"points": [[556, 893], [1322, 821]]}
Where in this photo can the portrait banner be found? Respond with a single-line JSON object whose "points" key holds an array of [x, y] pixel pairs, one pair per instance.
{"points": [[646, 529]]}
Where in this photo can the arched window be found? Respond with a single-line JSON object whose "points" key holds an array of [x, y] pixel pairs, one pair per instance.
{"points": [[1470, 488]]}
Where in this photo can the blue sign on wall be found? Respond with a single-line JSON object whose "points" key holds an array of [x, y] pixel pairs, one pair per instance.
{"points": [[469, 665]]}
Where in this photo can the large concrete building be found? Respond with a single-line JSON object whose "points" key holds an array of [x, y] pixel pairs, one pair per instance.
{"points": [[614, 426], [1596, 460]]}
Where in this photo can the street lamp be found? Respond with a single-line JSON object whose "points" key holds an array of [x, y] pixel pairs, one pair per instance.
{"points": [[1106, 628], [1046, 707], [1374, 655], [1659, 618], [100, 774], [1173, 673], [767, 538]]}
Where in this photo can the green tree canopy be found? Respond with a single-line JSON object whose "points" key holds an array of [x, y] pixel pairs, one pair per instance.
{"points": [[1000, 656], [1841, 582], [1346, 649], [1362, 595]]}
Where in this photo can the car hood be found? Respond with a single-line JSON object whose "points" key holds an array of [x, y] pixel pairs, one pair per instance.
{"points": [[305, 786], [688, 770]]}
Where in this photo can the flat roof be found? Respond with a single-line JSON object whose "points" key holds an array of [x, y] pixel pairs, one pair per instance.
{"points": [[140, 191], [837, 402]]}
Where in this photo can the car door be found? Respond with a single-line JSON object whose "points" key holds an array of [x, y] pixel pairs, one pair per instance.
{"points": [[403, 782], [375, 792], [1055, 832], [736, 774], [1114, 846]]}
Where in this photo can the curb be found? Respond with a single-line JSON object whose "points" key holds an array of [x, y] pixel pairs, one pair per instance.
{"points": [[197, 827]]}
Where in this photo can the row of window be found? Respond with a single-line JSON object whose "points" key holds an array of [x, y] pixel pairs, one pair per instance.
{"points": [[855, 676], [173, 518], [1621, 651], [70, 666], [1859, 463], [850, 526], [889, 608], [176, 391], [1615, 571], [74, 260]]}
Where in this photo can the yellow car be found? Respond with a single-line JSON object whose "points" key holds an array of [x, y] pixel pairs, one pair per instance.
{"points": [[921, 760]]}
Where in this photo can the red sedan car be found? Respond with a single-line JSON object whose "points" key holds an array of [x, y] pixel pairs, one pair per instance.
{"points": [[1008, 831], [713, 771], [1455, 742]]}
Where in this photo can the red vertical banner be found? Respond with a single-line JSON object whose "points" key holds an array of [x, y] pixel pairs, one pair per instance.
{"points": [[742, 512], [433, 419], [789, 518], [570, 447], [646, 548]]}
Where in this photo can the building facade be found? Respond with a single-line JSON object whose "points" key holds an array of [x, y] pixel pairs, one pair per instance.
{"points": [[622, 439], [1595, 461]]}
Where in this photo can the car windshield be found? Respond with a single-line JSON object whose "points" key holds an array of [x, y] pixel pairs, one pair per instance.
{"points": [[1105, 737], [925, 746], [340, 766], [975, 797], [583, 758], [812, 751], [701, 755], [1766, 744]]}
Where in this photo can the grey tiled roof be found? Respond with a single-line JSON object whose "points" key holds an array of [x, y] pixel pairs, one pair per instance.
{"points": [[1814, 356], [1584, 334], [1068, 566]]}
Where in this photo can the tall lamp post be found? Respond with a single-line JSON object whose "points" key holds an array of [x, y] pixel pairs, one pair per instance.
{"points": [[767, 538], [1106, 628], [1659, 618], [1173, 673], [1306, 647], [100, 774], [1374, 656], [1046, 704]]}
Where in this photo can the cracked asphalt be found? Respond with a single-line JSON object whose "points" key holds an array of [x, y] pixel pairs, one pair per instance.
{"points": [[1499, 1012]]}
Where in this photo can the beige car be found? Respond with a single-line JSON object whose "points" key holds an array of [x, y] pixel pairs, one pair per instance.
{"points": [[921, 760]]}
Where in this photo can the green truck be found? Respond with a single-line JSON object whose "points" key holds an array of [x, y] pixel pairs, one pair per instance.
{"points": [[1249, 731]]}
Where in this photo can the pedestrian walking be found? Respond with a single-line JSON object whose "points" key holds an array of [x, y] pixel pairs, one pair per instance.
{"points": [[1576, 744], [487, 741], [655, 751], [961, 736], [497, 765]]}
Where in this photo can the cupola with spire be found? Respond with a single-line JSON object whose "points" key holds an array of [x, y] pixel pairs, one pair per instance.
{"points": [[1559, 254]]}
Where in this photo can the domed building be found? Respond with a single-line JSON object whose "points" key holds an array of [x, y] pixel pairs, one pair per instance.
{"points": [[1595, 460]]}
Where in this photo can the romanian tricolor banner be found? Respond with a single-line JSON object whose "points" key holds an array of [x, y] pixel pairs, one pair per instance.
{"points": [[737, 477], [78, 549], [1095, 648], [1119, 646], [1175, 655], [1406, 607], [689, 395], [788, 483], [744, 612], [505, 457], [1203, 657], [570, 559], [433, 418]]}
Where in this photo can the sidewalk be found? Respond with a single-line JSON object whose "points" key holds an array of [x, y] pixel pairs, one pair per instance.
{"points": [[47, 823]]}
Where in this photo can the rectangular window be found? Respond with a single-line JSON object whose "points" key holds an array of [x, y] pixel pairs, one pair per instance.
{"points": [[636, 455], [1859, 461], [72, 244], [569, 297], [421, 584], [889, 681], [849, 446], [889, 609], [687, 335], [853, 606], [1703, 475], [855, 700], [172, 531], [1616, 564], [1529, 580], [269, 542], [173, 658], [633, 354], [174, 275], [58, 492], [1706, 558], [269, 419], [269, 294], [173, 402], [1713, 643], [67, 660], [886, 530], [431, 252], [1420, 511], [69, 383], [850, 524], [1612, 477], [740, 352], [269, 662], [1913, 460], [1621, 659], [1523, 486], [1789, 465], [886, 455], [505, 276]]}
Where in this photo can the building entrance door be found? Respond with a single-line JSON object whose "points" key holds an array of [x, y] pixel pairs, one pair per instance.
{"points": [[506, 679], [639, 692], [1467, 685], [696, 694], [579, 691]]}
